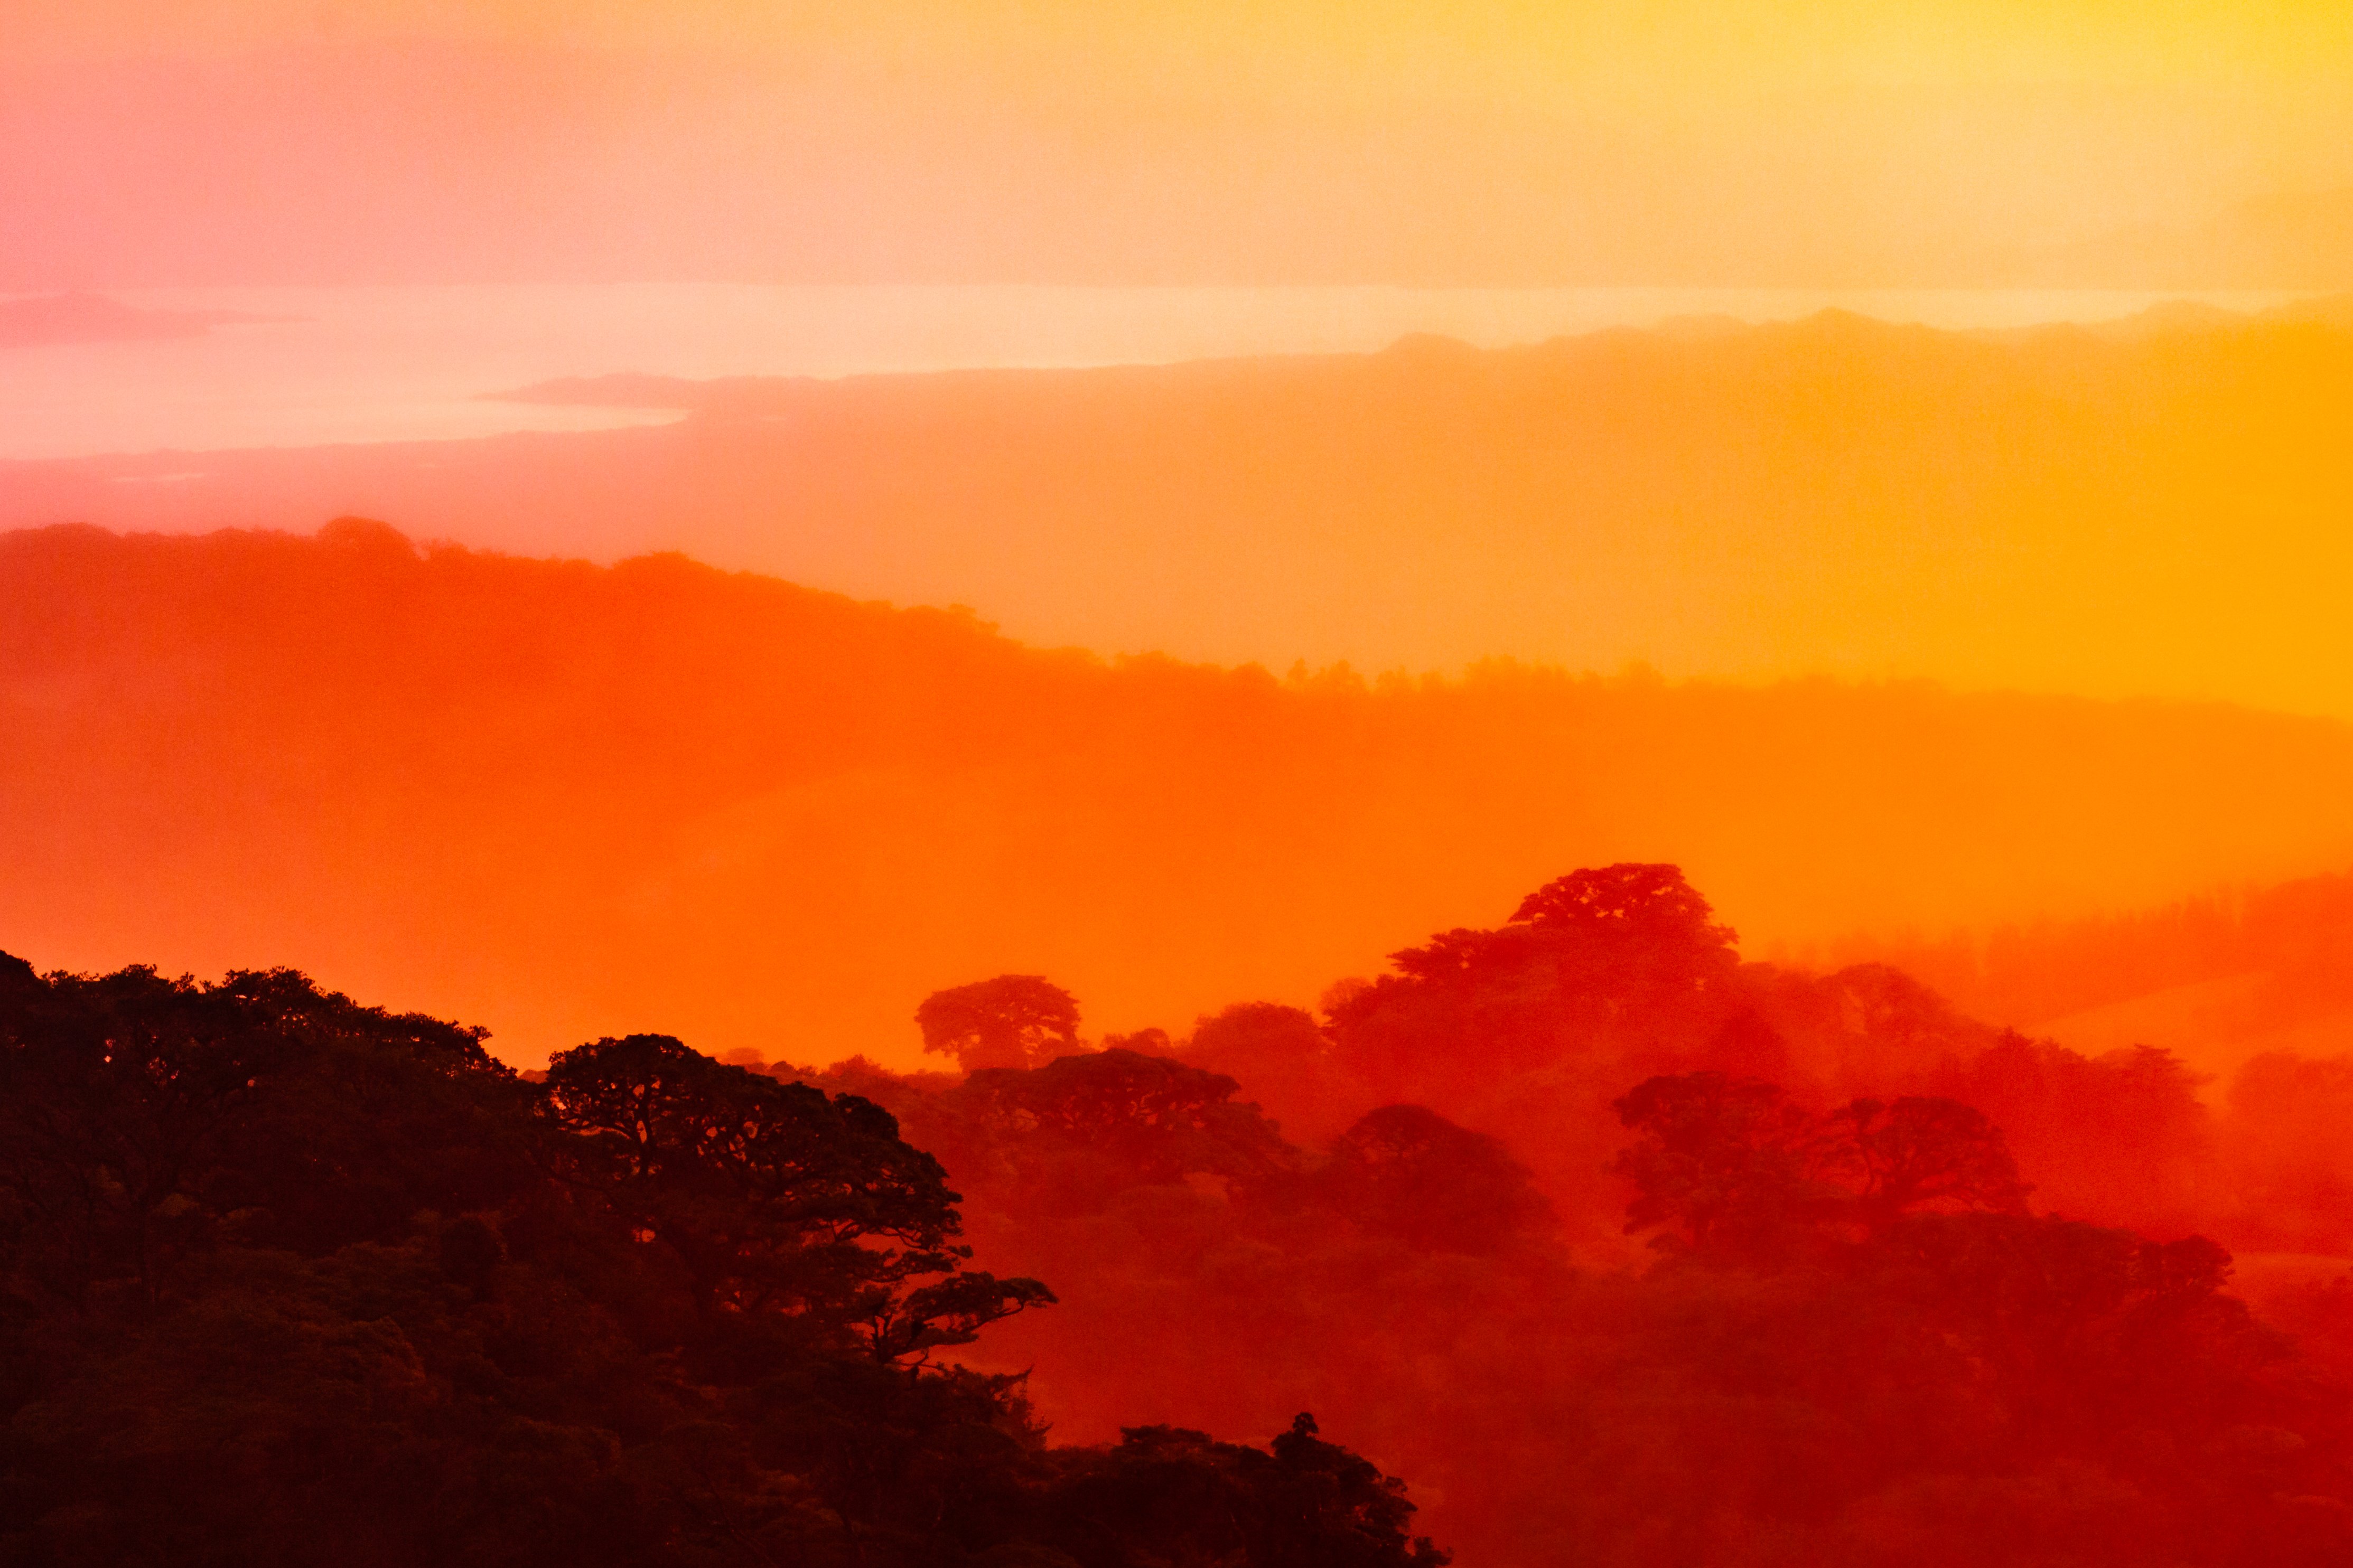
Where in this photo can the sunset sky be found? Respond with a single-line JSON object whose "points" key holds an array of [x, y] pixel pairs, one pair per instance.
{"points": [[1959, 141], [1584, 763]]}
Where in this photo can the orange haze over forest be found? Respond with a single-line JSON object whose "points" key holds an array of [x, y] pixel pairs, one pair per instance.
{"points": [[565, 800], [1723, 942]]}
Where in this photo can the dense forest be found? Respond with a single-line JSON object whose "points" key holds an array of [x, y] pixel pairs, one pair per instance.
{"points": [[1620, 1248], [566, 801], [289, 1281]]}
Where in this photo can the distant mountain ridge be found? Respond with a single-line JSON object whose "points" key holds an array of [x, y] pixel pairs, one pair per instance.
{"points": [[2148, 508], [751, 393]]}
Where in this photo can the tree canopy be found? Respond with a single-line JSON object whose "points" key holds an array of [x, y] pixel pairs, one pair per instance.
{"points": [[1012, 1021], [288, 1279], [1630, 1253]]}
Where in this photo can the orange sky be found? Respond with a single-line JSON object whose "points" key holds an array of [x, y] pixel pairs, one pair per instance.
{"points": [[289, 141]]}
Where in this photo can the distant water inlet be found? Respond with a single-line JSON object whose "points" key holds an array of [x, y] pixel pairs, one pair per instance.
{"points": [[293, 367]]}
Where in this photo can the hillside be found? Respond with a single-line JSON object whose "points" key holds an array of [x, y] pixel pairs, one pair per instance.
{"points": [[2218, 979], [566, 800], [288, 1279], [2152, 512]]}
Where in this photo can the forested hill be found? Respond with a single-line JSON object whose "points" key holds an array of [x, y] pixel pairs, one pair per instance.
{"points": [[570, 801], [1623, 1251], [286, 1279], [2221, 978], [2149, 507]]}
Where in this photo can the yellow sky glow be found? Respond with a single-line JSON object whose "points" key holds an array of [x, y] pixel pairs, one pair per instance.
{"points": [[1486, 43], [1836, 142]]}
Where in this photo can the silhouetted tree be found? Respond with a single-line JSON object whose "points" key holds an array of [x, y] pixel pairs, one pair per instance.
{"points": [[1721, 1166], [1918, 1152], [1732, 1167], [950, 1311], [1113, 1119], [1287, 1062], [778, 1199], [1628, 905], [138, 1114], [1012, 1021], [1305, 1504], [1620, 958], [1412, 1173]]}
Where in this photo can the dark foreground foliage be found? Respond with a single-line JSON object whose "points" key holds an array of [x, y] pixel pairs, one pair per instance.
{"points": [[289, 1280], [1632, 1254]]}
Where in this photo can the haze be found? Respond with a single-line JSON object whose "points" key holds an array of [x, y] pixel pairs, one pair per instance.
{"points": [[1035, 785], [2149, 510], [1959, 142]]}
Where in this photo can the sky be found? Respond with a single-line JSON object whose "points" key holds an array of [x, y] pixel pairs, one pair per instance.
{"points": [[1500, 142]]}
